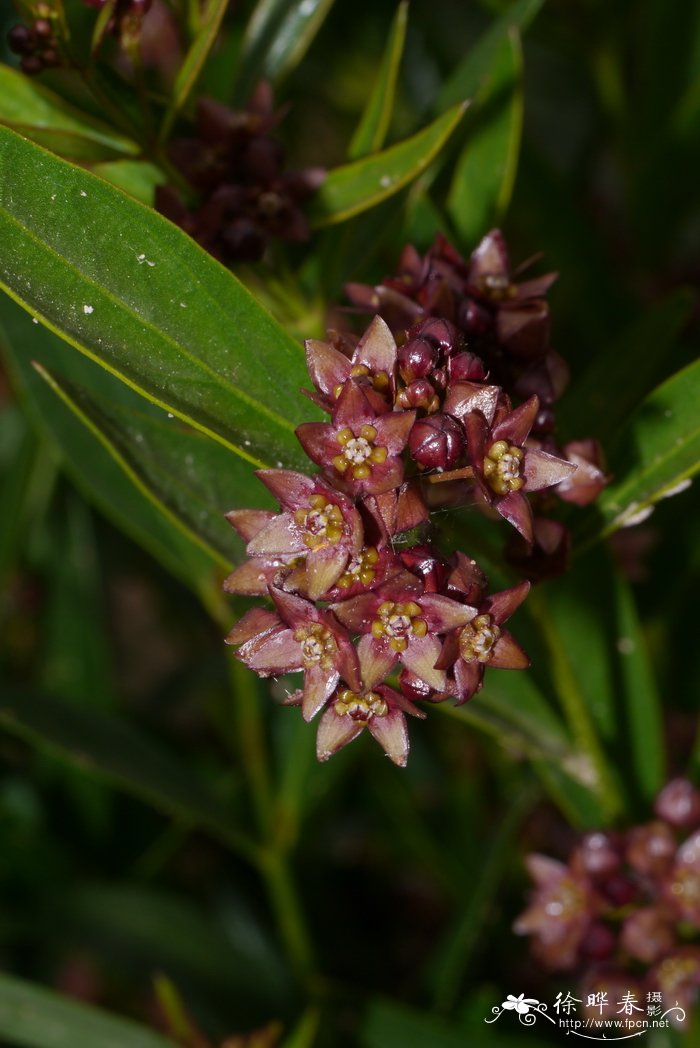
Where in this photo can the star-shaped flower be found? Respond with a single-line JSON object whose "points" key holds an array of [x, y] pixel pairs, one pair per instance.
{"points": [[372, 366]]}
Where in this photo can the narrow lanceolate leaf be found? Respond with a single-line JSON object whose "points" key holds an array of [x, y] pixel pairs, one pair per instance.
{"points": [[209, 24], [39, 1018], [485, 171], [39, 113], [277, 38], [129, 289], [355, 187], [84, 457], [191, 480], [372, 129], [111, 749], [467, 79], [656, 455]]}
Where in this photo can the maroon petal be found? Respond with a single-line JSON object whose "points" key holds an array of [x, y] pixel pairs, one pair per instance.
{"points": [[391, 733], [334, 732], [502, 605], [318, 439], [476, 429], [537, 287], [464, 397], [319, 685], [291, 489], [358, 612], [376, 349], [449, 652], [443, 614], [468, 678], [517, 424], [377, 660], [420, 657], [384, 477], [489, 258], [351, 407], [515, 508], [252, 578], [281, 537], [324, 566], [276, 653], [508, 655], [393, 430], [328, 367], [248, 522], [254, 622], [544, 471], [295, 611], [411, 510], [347, 661]]}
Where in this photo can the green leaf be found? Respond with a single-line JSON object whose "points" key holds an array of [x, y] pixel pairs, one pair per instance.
{"points": [[132, 291], [86, 460], [192, 480], [623, 372], [188, 73], [277, 37], [657, 453], [363, 184], [475, 68], [390, 1025], [485, 171], [111, 749], [39, 1018], [37, 112], [374, 124], [138, 178]]}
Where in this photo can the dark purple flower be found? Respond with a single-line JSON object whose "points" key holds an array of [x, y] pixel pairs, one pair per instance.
{"points": [[372, 365]]}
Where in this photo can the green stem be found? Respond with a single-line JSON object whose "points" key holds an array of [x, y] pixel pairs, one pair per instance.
{"points": [[287, 908], [575, 709]]}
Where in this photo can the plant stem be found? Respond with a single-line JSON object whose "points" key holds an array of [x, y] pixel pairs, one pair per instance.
{"points": [[287, 908]]}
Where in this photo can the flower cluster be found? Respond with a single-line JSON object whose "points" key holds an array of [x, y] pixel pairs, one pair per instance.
{"points": [[626, 906], [376, 626], [37, 42], [235, 168], [491, 328]]}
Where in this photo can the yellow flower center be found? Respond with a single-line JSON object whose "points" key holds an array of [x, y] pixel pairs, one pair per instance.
{"points": [[360, 569], [318, 645], [503, 466], [478, 639], [359, 453], [686, 887], [497, 287], [568, 900], [322, 522], [360, 707], [398, 622]]}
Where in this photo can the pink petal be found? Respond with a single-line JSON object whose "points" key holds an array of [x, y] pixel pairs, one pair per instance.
{"points": [[411, 510], [377, 348], [515, 508], [294, 610], [319, 685], [358, 612], [489, 258], [351, 407], [502, 605], [251, 578], [537, 287], [248, 522], [324, 566], [420, 657], [318, 439], [347, 662], [391, 733], [253, 623], [335, 732], [508, 655], [276, 653], [515, 426], [377, 659], [291, 489], [281, 537], [468, 678], [443, 613], [543, 870], [328, 367], [464, 397], [393, 430], [384, 477], [449, 652], [543, 471]]}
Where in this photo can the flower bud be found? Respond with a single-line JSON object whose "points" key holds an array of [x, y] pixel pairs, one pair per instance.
{"points": [[436, 442], [600, 854], [474, 319], [420, 395], [679, 803], [416, 359], [650, 848], [440, 333], [466, 367], [598, 943]]}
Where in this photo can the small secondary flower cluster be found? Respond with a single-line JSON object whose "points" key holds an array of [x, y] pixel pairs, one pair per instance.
{"points": [[352, 610], [625, 908]]}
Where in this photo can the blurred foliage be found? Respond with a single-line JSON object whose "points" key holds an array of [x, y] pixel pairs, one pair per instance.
{"points": [[159, 815]]}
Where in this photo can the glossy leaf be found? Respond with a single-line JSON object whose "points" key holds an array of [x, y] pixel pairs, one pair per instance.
{"points": [[355, 187], [39, 113], [111, 749], [374, 124], [136, 294], [188, 73], [191, 479], [656, 455], [138, 178], [277, 37], [39, 1018], [467, 79], [86, 460], [485, 171]]}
